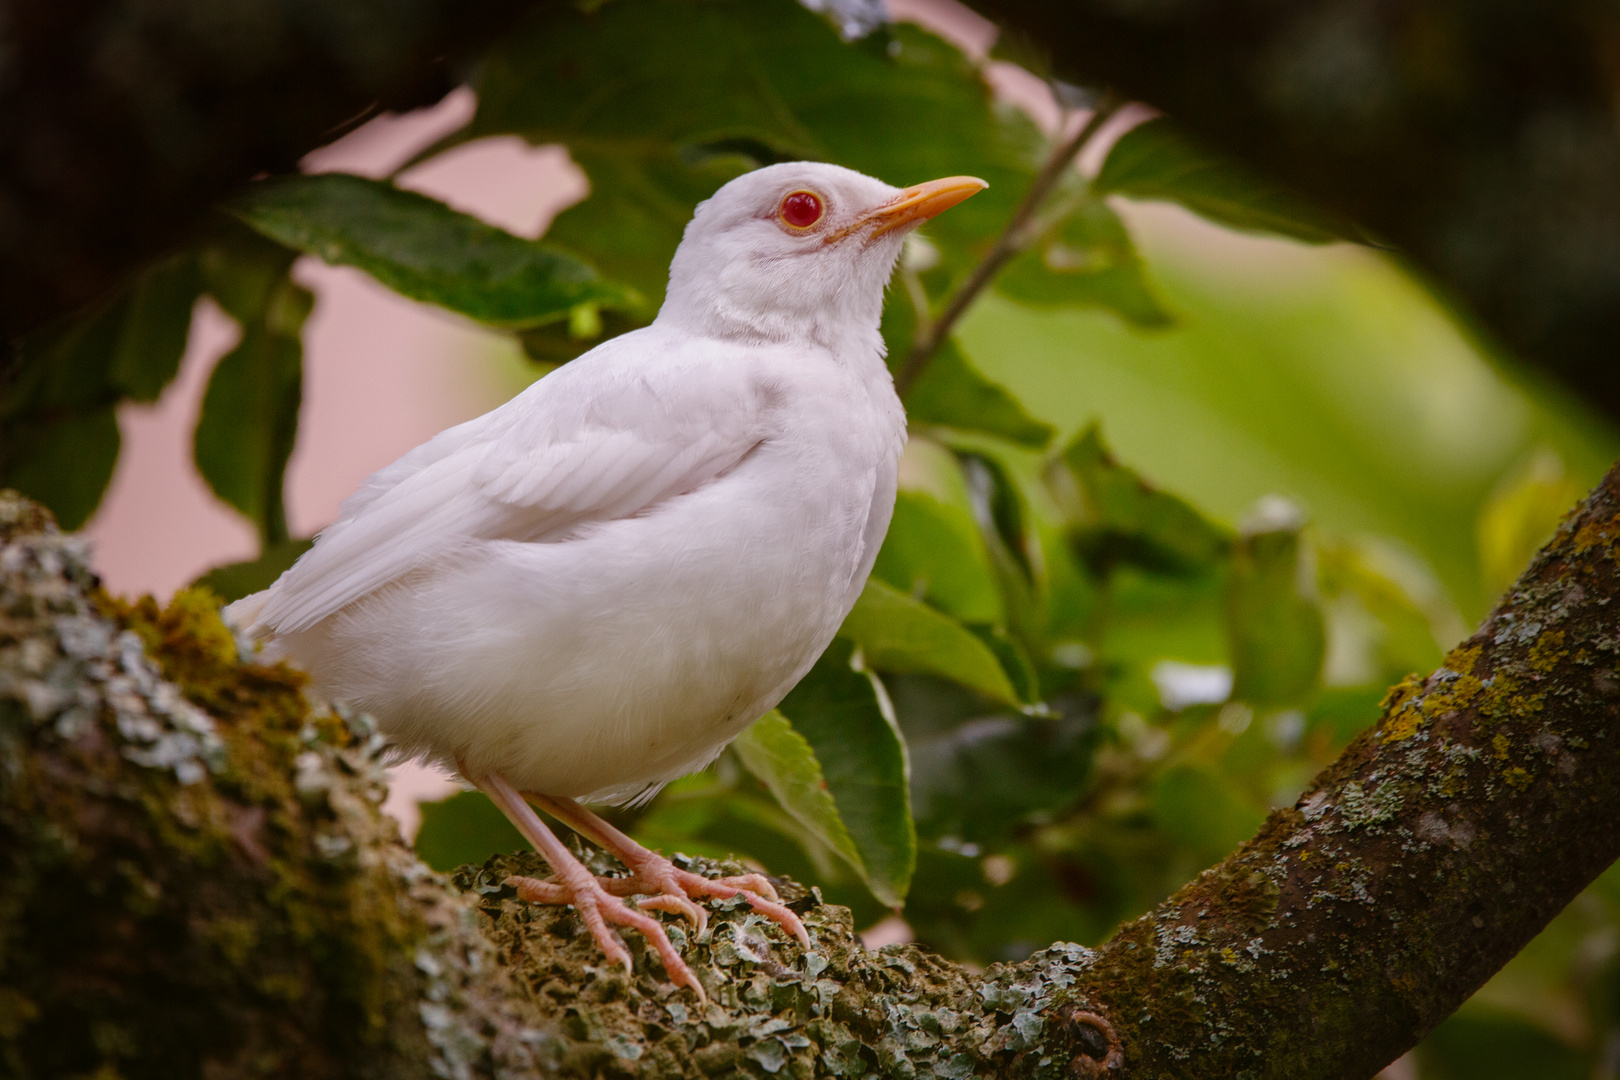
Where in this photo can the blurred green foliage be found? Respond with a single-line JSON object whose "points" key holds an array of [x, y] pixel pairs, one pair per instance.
{"points": [[1067, 687]]}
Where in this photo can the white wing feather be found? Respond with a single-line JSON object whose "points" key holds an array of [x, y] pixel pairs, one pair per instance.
{"points": [[591, 442]]}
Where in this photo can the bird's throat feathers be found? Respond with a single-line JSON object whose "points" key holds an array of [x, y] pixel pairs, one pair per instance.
{"points": [[835, 302]]}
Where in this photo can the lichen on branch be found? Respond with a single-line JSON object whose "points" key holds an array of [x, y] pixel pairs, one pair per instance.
{"points": [[196, 880], [194, 875]]}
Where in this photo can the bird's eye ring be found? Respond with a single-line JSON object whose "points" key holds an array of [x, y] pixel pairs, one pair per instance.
{"points": [[800, 209]]}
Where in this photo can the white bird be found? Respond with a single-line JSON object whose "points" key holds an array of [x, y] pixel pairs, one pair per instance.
{"points": [[589, 591]]}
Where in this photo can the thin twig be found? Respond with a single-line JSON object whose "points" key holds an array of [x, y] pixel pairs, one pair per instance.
{"points": [[1011, 241]]}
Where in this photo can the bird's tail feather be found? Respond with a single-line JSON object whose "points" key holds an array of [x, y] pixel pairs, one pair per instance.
{"points": [[244, 614]]}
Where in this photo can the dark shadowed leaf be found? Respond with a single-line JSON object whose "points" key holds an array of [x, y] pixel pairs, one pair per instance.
{"points": [[465, 828], [1014, 660], [586, 327], [1004, 520], [899, 633], [249, 421], [1114, 516], [978, 773], [998, 505], [424, 250], [64, 463], [952, 393], [250, 411], [58, 434], [1275, 632], [661, 101], [233, 581], [1203, 811], [782, 760], [845, 717], [1153, 161], [1483, 1042], [641, 199], [1085, 260], [957, 908], [154, 320]]}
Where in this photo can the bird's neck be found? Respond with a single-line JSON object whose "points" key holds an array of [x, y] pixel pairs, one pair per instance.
{"points": [[849, 332]]}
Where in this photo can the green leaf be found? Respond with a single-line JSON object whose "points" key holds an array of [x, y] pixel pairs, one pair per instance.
{"points": [[1485, 1042], [933, 550], [998, 504], [899, 633], [977, 777], [1014, 660], [641, 200], [63, 463], [1344, 712], [1153, 161], [233, 581], [1203, 810], [154, 321], [1086, 259], [250, 411], [243, 271], [1116, 517], [1385, 613], [661, 101], [465, 828], [1520, 516], [422, 249], [844, 715], [565, 339], [999, 508], [1275, 632], [952, 393], [58, 432], [783, 761]]}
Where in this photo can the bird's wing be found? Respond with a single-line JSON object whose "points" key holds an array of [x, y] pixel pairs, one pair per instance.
{"points": [[602, 445]]}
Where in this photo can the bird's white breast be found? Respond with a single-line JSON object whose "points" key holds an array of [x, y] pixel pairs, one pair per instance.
{"points": [[628, 652]]}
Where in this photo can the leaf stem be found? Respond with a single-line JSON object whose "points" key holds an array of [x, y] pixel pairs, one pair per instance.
{"points": [[1013, 239]]}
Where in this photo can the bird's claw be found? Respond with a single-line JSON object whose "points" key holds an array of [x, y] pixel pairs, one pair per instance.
{"points": [[659, 875], [597, 907], [678, 905]]}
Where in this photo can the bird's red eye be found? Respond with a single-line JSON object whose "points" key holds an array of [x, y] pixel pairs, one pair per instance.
{"points": [[801, 209]]}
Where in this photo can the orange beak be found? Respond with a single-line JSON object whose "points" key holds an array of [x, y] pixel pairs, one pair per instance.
{"points": [[914, 204]]}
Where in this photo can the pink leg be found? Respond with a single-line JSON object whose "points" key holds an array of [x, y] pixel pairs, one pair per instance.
{"points": [[674, 889], [576, 885]]}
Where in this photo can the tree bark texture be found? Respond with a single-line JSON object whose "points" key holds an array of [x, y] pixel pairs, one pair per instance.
{"points": [[196, 880]]}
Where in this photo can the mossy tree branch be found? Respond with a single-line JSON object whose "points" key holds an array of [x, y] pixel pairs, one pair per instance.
{"points": [[1445, 837], [195, 880]]}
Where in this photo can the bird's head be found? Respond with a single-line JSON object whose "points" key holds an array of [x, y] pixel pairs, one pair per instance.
{"points": [[800, 250]]}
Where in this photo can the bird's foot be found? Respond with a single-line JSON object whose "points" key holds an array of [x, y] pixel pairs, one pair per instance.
{"points": [[666, 886], [674, 889], [575, 885], [598, 904]]}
